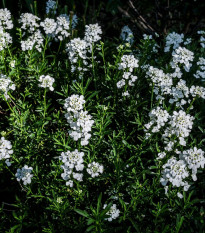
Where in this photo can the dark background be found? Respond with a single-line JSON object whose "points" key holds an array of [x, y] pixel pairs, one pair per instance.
{"points": [[144, 16]]}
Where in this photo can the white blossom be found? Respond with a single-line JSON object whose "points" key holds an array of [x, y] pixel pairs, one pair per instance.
{"points": [[127, 35], [94, 169], [113, 213], [5, 150], [6, 85], [46, 81], [24, 174]]}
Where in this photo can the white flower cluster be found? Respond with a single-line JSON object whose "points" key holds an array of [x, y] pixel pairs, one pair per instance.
{"points": [[127, 35], [79, 120], [176, 171], [33, 41], [159, 117], [180, 125], [194, 159], [72, 166], [5, 19], [24, 174], [183, 56], [30, 27], [5, 23], [173, 39], [49, 26], [29, 22], [202, 38], [128, 64], [197, 91], [51, 7], [201, 73], [46, 81], [92, 33], [113, 212], [94, 169], [5, 150], [62, 27], [81, 48], [5, 85]]}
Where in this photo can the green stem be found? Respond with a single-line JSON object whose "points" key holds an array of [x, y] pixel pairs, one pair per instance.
{"points": [[44, 103]]}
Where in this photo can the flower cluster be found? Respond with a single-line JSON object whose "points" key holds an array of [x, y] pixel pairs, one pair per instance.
{"points": [[30, 26], [49, 26], [176, 171], [202, 38], [113, 213], [173, 39], [5, 19], [81, 49], [201, 73], [72, 166], [183, 56], [5, 85], [24, 174], [128, 64], [94, 169], [46, 81], [51, 7], [29, 22], [159, 117], [79, 120], [5, 150], [33, 41], [127, 35], [62, 28], [5, 23]]}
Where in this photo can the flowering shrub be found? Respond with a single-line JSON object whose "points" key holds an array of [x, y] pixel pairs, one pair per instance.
{"points": [[99, 136]]}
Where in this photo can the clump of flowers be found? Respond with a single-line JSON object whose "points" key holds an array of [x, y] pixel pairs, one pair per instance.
{"points": [[5, 150], [127, 35], [201, 72], [94, 169], [173, 39], [5, 19], [72, 166], [30, 26], [182, 56], [29, 22], [6, 85], [113, 213], [79, 120], [24, 174], [46, 81], [51, 7], [63, 27], [49, 26]]}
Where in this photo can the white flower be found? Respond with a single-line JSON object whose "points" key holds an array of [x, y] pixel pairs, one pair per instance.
{"points": [[6, 85], [180, 195], [49, 26], [113, 212], [94, 169], [29, 22], [128, 62], [5, 39], [92, 33], [5, 150], [51, 7], [182, 56], [5, 19], [72, 166], [62, 28], [24, 174], [174, 39], [127, 35], [46, 81], [33, 41]]}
